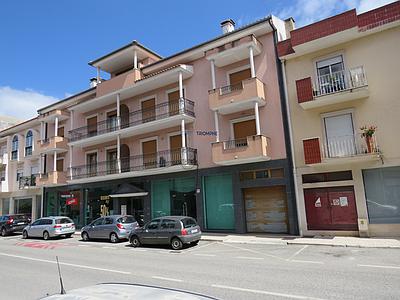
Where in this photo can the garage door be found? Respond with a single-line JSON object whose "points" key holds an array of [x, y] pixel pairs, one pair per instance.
{"points": [[266, 209]]}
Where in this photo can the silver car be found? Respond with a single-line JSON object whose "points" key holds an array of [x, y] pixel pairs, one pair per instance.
{"points": [[114, 228], [49, 227]]}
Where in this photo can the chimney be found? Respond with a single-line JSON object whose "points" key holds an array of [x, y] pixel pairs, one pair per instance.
{"points": [[93, 82], [289, 26], [227, 26]]}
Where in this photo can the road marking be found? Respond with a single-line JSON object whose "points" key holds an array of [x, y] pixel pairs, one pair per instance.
{"points": [[65, 264], [306, 261], [167, 278], [263, 292], [207, 255], [138, 250], [379, 266], [253, 251], [297, 252], [83, 246], [199, 247], [108, 247], [248, 257]]}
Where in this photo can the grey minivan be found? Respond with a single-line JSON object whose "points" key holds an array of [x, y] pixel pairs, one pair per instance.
{"points": [[113, 227], [48, 227]]}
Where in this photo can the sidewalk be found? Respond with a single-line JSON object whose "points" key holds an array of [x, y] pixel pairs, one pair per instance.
{"points": [[337, 241]]}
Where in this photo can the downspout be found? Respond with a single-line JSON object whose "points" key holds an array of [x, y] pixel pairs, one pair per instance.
{"points": [[287, 125]]}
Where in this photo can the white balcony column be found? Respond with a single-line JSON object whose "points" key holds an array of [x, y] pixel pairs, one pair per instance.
{"points": [[56, 127], [184, 150], [135, 61], [252, 68], [70, 161], [216, 125], [180, 85], [55, 162], [256, 113], [98, 75], [214, 84], [118, 111], [40, 165], [119, 153]]}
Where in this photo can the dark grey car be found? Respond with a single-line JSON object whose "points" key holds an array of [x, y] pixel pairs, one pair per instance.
{"points": [[172, 230], [114, 228]]}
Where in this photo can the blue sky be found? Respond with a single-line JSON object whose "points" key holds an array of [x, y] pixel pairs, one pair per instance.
{"points": [[46, 45]]}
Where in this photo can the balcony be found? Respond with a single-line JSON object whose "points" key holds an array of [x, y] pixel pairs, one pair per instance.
{"points": [[26, 182], [251, 149], [237, 97], [54, 144], [118, 82], [51, 115], [341, 150], [161, 116], [162, 162], [338, 87], [51, 178], [234, 51]]}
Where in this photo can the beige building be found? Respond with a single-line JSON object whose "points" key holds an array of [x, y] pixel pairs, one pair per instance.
{"points": [[341, 74]]}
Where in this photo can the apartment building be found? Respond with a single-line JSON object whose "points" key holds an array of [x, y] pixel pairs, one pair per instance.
{"points": [[198, 133], [341, 78]]}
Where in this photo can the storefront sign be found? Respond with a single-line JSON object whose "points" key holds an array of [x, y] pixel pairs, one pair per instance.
{"points": [[67, 195], [105, 197], [71, 201]]}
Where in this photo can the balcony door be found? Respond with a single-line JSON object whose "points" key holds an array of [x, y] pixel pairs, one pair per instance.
{"points": [[339, 134], [175, 146], [91, 161], [148, 110], [331, 75], [92, 126], [112, 161], [241, 130], [60, 131], [149, 150], [173, 102], [235, 79], [112, 121]]}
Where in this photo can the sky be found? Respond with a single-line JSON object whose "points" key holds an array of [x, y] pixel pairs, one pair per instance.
{"points": [[45, 45]]}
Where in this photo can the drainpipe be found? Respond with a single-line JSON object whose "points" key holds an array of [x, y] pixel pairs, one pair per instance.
{"points": [[287, 126]]}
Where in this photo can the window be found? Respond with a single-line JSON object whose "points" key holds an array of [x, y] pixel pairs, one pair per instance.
{"points": [[37, 222], [29, 143], [188, 222], [261, 174], [14, 148], [64, 221], [98, 222], [331, 75], [108, 221], [328, 176], [168, 224], [153, 225], [126, 220], [20, 174]]}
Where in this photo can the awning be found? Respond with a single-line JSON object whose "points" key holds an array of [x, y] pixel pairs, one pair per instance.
{"points": [[129, 195], [127, 190]]}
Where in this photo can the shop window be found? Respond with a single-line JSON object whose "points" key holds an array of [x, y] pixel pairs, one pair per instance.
{"points": [[259, 174], [277, 173], [328, 176], [382, 191], [23, 206], [6, 207], [218, 202]]}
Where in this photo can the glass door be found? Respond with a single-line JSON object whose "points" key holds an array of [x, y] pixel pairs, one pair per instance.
{"points": [[340, 139], [331, 75]]}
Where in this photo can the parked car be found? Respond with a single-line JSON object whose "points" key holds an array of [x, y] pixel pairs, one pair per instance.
{"points": [[13, 223], [114, 228], [49, 227], [170, 230]]}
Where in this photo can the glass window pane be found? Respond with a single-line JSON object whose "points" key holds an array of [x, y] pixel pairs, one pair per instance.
{"points": [[219, 202]]}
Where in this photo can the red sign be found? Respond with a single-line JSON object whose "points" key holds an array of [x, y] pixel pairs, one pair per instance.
{"points": [[72, 201]]}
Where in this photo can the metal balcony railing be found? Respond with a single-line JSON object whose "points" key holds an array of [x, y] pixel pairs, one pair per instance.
{"points": [[157, 112], [161, 159], [234, 144], [231, 88], [340, 81], [349, 145], [27, 181]]}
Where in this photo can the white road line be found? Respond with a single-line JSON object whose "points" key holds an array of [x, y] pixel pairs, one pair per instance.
{"points": [[379, 266], [307, 261], [65, 264], [83, 246], [297, 252], [263, 292], [199, 247], [253, 251], [207, 255], [108, 247], [167, 278], [248, 257]]}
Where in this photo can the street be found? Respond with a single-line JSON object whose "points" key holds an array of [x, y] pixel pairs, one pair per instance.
{"points": [[221, 270]]}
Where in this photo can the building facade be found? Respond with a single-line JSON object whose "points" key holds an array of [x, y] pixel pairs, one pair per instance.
{"points": [[340, 76], [199, 133]]}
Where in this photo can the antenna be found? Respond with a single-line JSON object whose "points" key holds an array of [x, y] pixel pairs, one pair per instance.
{"points": [[62, 292]]}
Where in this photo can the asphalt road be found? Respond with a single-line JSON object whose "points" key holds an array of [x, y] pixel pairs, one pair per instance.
{"points": [[222, 270]]}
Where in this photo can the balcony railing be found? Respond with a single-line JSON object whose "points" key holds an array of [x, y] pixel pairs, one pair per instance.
{"points": [[340, 81], [51, 178], [233, 144], [27, 181], [157, 112], [231, 88], [161, 159]]}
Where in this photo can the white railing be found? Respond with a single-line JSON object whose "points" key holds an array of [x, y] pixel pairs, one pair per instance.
{"points": [[340, 81], [234, 144], [349, 145]]}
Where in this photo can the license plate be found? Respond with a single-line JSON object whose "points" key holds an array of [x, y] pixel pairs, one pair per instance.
{"points": [[194, 230], [20, 223]]}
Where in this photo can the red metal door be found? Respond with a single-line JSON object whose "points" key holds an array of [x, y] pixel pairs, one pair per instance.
{"points": [[331, 209]]}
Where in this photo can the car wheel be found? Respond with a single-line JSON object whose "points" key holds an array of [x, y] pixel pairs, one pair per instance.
{"points": [[176, 244], [85, 236], [46, 235], [195, 242], [3, 232], [135, 241], [113, 237], [68, 235], [25, 234]]}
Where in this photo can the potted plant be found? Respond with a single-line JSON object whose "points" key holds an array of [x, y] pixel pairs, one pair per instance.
{"points": [[368, 132]]}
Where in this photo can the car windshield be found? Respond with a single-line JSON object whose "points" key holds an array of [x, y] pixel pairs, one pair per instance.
{"points": [[126, 220], [64, 221], [188, 222], [19, 217]]}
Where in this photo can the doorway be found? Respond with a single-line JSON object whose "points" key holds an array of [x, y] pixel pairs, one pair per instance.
{"points": [[148, 110], [149, 150], [173, 102], [124, 114], [183, 203], [125, 158], [132, 206], [175, 145], [112, 161]]}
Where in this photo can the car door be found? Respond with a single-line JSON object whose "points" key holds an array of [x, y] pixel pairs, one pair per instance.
{"points": [[33, 229], [149, 235], [107, 227], [95, 228], [167, 229], [43, 226]]}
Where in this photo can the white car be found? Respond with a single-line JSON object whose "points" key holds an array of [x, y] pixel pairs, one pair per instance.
{"points": [[49, 227]]}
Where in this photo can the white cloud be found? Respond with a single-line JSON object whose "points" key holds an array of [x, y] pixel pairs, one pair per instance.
{"points": [[308, 11], [22, 104]]}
